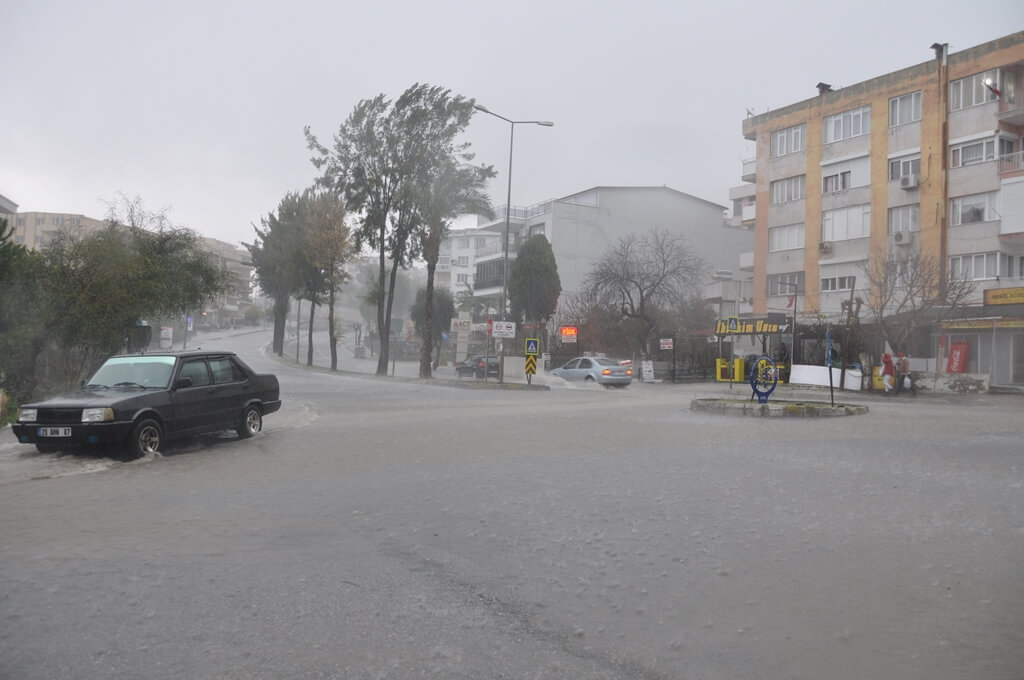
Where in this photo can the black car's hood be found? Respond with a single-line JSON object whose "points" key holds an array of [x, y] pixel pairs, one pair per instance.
{"points": [[89, 398]]}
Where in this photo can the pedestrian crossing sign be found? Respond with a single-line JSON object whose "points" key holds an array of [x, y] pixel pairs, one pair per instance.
{"points": [[734, 323], [532, 345]]}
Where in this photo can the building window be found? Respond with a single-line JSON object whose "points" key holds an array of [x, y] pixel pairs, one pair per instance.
{"points": [[976, 208], [973, 91], [833, 284], [905, 218], [835, 182], [846, 174], [974, 267], [788, 237], [463, 243], [21, 221], [905, 109], [789, 189], [536, 229], [848, 223], [788, 141], [462, 278], [480, 242], [972, 152], [463, 260], [58, 220], [901, 167], [848, 124], [786, 284], [76, 222]]}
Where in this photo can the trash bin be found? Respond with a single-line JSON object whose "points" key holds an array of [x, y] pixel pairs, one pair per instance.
{"points": [[876, 378], [360, 352]]}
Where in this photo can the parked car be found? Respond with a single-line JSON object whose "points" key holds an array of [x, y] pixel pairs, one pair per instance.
{"points": [[474, 366], [136, 402], [600, 370], [467, 367], [493, 366]]}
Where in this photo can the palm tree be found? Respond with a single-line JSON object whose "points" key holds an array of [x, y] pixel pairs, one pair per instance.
{"points": [[453, 191]]}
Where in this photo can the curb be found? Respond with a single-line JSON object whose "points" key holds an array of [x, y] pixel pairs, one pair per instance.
{"points": [[776, 409]]}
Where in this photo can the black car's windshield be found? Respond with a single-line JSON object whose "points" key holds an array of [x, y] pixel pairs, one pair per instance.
{"points": [[140, 371]]}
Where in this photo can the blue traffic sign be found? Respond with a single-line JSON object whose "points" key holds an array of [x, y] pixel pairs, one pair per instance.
{"points": [[532, 347]]}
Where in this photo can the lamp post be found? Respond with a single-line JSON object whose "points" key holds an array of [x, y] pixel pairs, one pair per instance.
{"points": [[508, 198]]}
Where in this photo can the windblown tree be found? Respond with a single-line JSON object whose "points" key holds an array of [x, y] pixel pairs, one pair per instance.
{"points": [[644, 275], [533, 282], [453, 190], [380, 157], [441, 313], [276, 253], [329, 247], [909, 291]]}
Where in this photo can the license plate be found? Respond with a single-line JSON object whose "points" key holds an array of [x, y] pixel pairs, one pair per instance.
{"points": [[54, 432]]}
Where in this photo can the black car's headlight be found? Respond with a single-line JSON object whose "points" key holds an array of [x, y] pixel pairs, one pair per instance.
{"points": [[27, 415], [97, 415]]}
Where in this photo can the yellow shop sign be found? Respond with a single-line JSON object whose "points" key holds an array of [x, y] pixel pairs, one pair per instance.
{"points": [[1004, 296]]}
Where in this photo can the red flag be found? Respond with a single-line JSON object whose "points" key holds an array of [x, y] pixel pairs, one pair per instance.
{"points": [[792, 299]]}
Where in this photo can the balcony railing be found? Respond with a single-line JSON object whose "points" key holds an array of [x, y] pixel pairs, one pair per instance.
{"points": [[1012, 162]]}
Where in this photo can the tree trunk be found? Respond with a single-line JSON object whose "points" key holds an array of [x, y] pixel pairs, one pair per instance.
{"points": [[382, 300], [428, 321], [332, 336], [309, 343], [385, 334], [280, 321]]}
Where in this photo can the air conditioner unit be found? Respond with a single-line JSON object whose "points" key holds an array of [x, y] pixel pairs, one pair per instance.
{"points": [[825, 247], [910, 181], [901, 238]]}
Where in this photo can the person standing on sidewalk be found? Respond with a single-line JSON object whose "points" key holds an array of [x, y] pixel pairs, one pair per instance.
{"points": [[906, 380], [888, 373]]}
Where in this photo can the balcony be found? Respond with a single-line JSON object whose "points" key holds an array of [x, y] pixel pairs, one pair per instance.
{"points": [[1011, 113], [1011, 163], [749, 170]]}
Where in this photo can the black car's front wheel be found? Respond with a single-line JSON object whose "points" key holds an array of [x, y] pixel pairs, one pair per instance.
{"points": [[145, 440], [252, 422]]}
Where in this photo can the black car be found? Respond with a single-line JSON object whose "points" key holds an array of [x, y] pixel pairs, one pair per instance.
{"points": [[135, 402], [474, 366]]}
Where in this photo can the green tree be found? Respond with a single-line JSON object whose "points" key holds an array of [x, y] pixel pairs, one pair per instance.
{"points": [[98, 287], [275, 253], [642, 276], [380, 160], [22, 323], [453, 190], [533, 282], [440, 315]]}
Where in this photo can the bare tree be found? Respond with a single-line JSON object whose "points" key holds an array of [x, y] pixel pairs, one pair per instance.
{"points": [[909, 291], [645, 275]]}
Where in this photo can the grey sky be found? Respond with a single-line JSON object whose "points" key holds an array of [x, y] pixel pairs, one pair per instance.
{"points": [[199, 106]]}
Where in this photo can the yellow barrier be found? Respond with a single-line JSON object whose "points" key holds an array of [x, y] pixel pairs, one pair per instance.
{"points": [[726, 371]]}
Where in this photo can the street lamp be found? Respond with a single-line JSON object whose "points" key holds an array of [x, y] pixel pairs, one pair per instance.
{"points": [[508, 198]]}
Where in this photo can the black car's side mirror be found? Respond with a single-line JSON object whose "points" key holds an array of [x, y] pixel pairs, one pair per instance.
{"points": [[183, 382]]}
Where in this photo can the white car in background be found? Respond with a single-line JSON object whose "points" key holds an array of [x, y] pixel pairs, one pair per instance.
{"points": [[600, 370]]}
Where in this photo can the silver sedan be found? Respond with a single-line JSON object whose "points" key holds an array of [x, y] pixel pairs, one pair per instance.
{"points": [[600, 370]]}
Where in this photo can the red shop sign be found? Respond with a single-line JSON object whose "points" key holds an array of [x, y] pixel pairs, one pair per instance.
{"points": [[957, 361]]}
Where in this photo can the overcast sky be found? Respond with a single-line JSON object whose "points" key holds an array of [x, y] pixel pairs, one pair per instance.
{"points": [[199, 106]]}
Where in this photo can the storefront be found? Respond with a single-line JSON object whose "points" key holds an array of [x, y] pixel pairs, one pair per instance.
{"points": [[989, 346]]}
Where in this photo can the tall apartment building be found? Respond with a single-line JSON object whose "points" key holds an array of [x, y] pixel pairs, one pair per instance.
{"points": [[929, 158]]}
